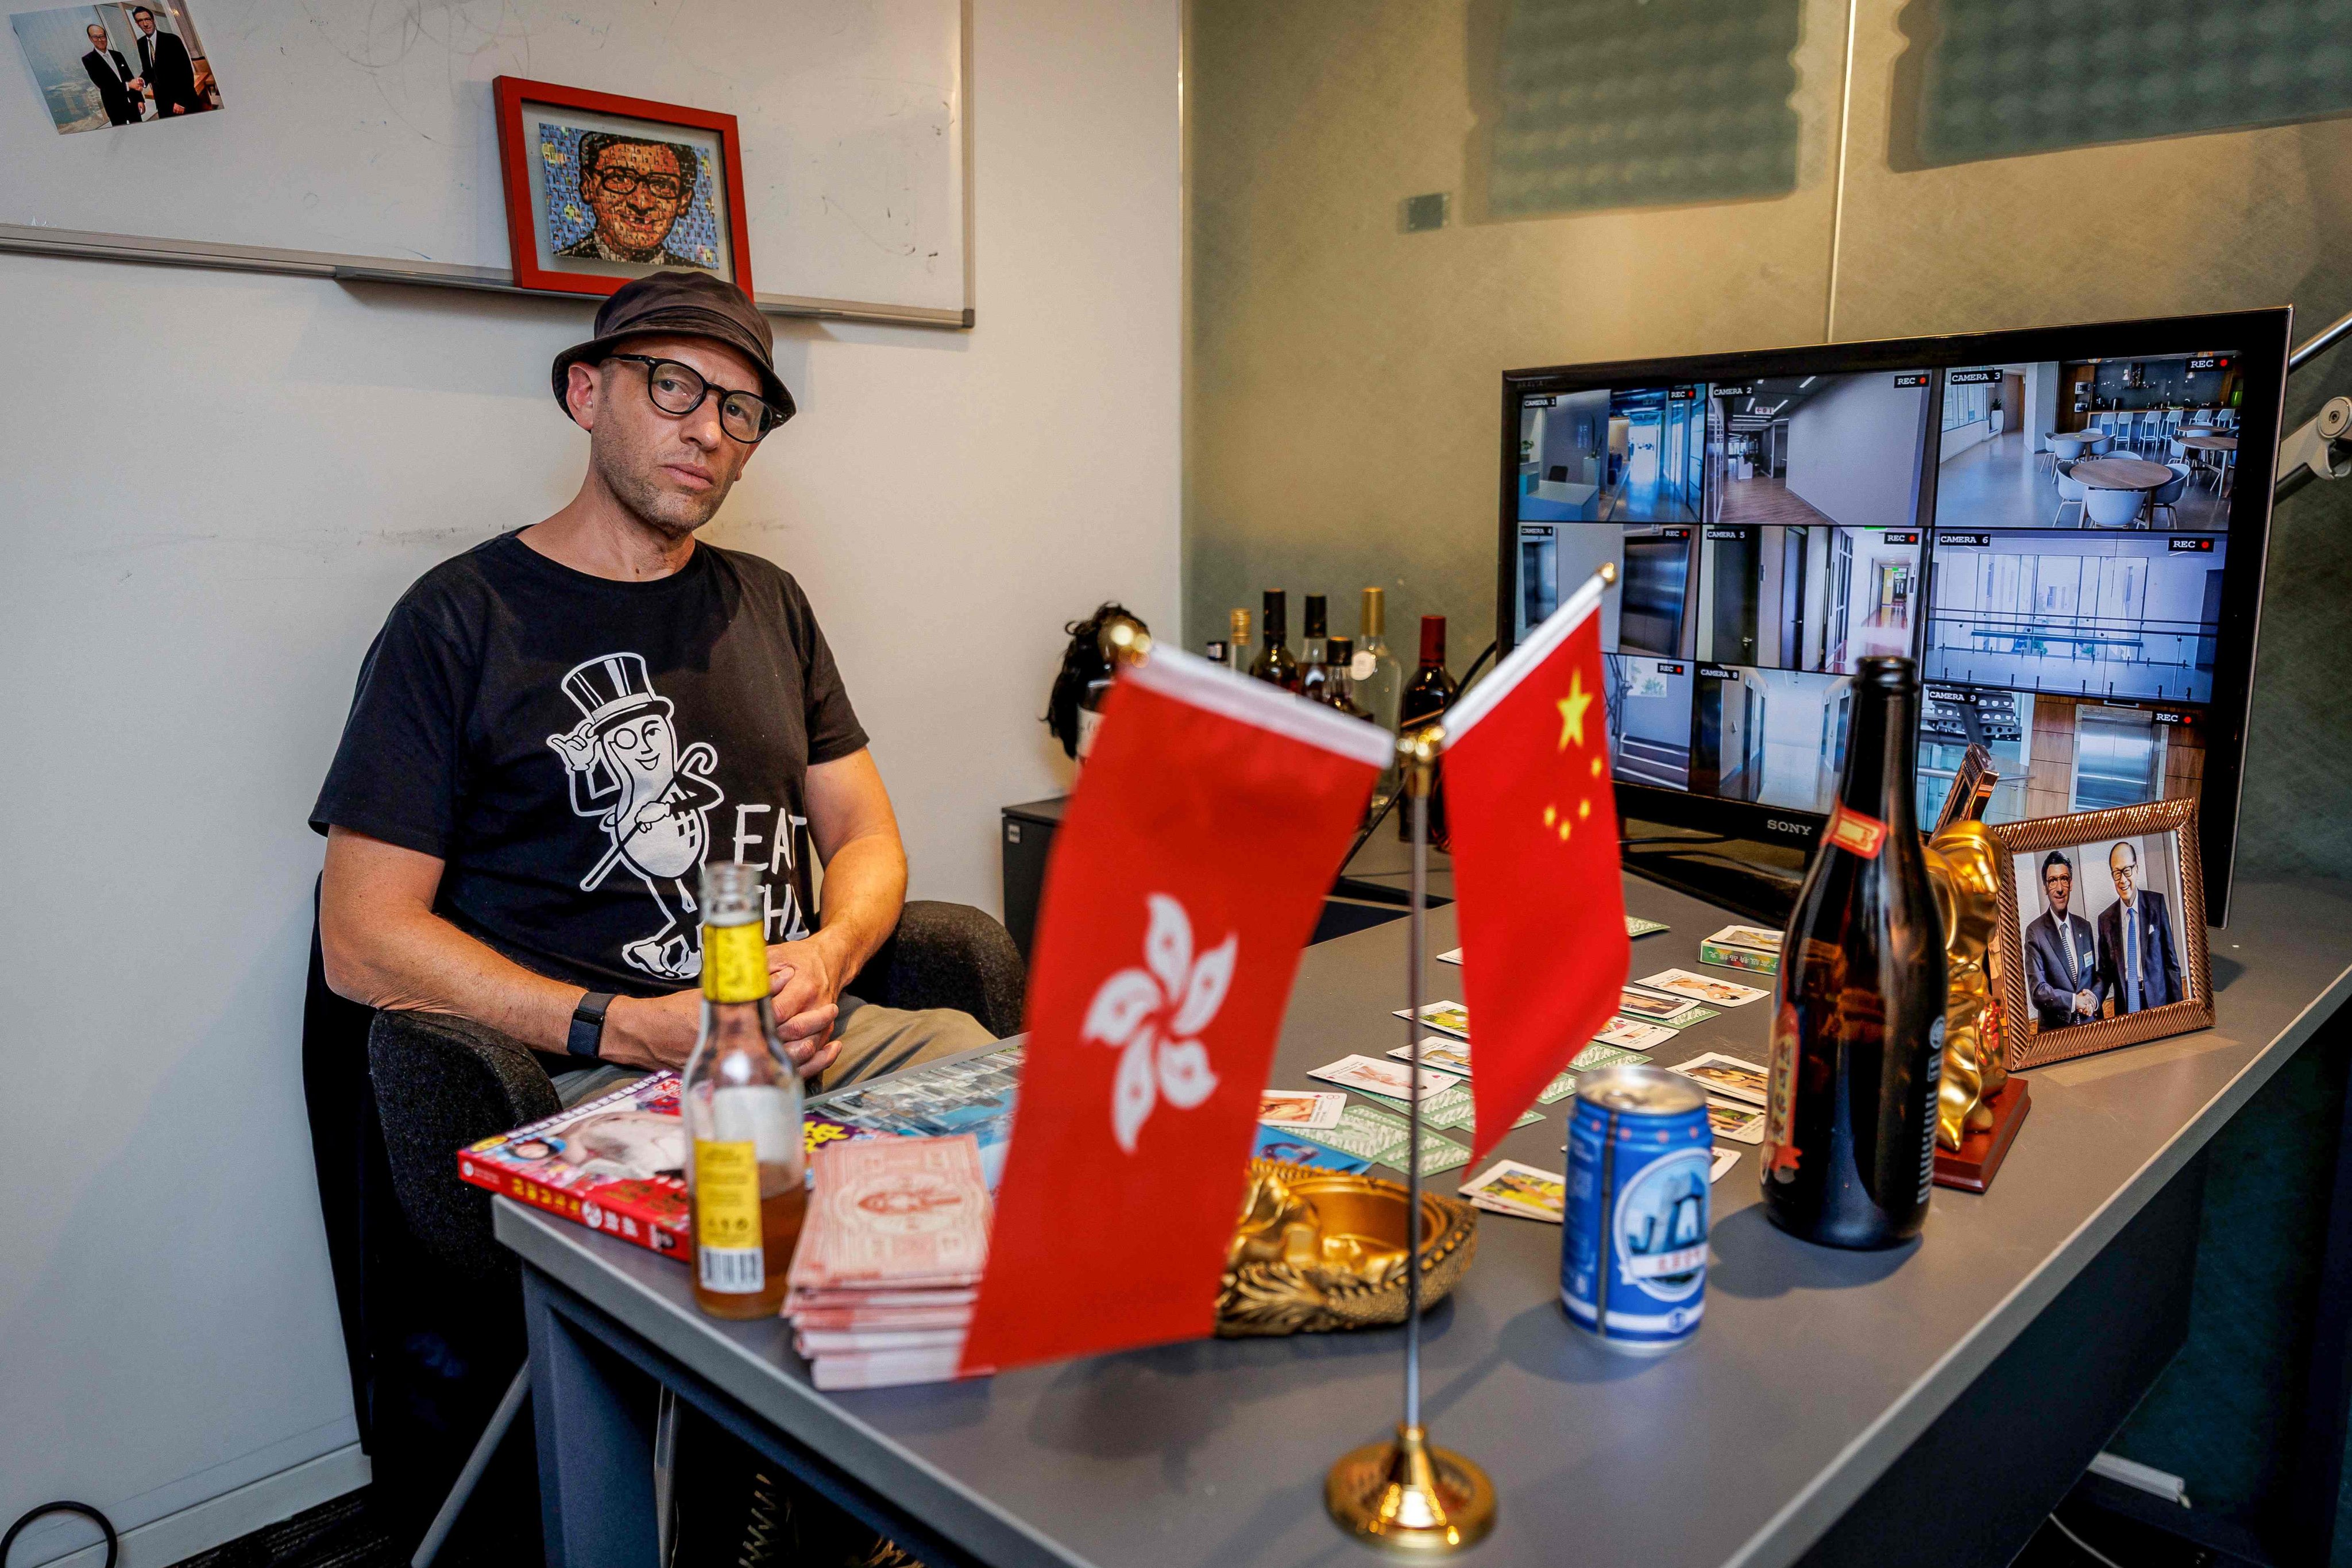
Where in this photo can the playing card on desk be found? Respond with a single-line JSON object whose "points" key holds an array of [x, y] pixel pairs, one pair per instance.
{"points": [[1449, 1017], [1364, 1131], [1450, 1107], [1740, 1123], [1298, 1107], [1371, 1075], [1636, 926], [1692, 987], [1508, 1187], [1727, 1077], [1630, 1035], [1674, 1012], [1438, 1153], [1296, 1149], [1757, 937], [1589, 1060], [1447, 1055]]}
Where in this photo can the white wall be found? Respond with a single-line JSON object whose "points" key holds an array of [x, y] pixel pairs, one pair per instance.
{"points": [[1853, 448], [213, 485]]}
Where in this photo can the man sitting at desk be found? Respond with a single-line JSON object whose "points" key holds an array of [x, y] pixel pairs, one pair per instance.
{"points": [[2136, 960], [2061, 965], [555, 729]]}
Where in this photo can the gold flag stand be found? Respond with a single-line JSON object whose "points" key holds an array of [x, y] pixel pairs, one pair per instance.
{"points": [[1406, 1494]]}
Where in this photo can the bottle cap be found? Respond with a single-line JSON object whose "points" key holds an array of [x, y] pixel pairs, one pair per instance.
{"points": [[1342, 650], [1277, 613], [1240, 621], [1318, 620], [1376, 613], [1432, 639]]}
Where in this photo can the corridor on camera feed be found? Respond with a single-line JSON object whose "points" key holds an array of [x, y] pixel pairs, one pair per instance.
{"points": [[2114, 616]]}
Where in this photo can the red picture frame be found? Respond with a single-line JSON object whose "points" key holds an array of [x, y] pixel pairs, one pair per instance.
{"points": [[518, 166]]}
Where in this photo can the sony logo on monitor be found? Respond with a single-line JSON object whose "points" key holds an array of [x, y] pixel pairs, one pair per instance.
{"points": [[1802, 829]]}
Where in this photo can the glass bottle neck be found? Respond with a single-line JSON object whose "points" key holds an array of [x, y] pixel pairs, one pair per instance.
{"points": [[1882, 766]]}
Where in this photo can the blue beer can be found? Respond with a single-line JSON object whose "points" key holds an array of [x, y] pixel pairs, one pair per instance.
{"points": [[1632, 1262]]}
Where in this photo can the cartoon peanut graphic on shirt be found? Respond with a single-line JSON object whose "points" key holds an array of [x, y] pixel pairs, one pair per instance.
{"points": [[654, 800]]}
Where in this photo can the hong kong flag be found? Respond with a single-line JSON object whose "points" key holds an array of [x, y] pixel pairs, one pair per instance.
{"points": [[1186, 879], [1541, 910]]}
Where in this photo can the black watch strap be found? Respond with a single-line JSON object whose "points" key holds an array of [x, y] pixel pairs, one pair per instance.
{"points": [[588, 1024]]}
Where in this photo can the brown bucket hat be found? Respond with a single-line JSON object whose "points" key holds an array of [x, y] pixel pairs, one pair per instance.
{"points": [[682, 304]]}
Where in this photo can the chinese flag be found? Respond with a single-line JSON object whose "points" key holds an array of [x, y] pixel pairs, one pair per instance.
{"points": [[1536, 883], [1186, 879]]}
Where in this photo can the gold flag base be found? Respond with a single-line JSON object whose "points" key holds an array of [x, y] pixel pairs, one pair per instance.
{"points": [[1410, 1497]]}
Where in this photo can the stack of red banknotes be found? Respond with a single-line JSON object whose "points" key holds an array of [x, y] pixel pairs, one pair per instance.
{"points": [[890, 1260]]}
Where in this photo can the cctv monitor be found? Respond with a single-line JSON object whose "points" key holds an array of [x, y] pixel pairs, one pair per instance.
{"points": [[2066, 528]]}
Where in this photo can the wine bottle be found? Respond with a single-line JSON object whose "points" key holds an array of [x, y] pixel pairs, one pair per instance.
{"points": [[1373, 667], [1338, 689], [1857, 1048], [1239, 623], [1426, 697], [1275, 664], [1315, 652], [746, 1165]]}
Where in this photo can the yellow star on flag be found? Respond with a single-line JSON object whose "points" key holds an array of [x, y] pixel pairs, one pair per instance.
{"points": [[1571, 711]]}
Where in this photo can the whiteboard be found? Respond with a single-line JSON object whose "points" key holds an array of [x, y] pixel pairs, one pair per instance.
{"points": [[361, 132]]}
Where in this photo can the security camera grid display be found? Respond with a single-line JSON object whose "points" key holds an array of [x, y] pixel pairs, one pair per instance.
{"points": [[2049, 542]]}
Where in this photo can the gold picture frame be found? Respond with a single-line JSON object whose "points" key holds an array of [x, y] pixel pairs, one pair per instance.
{"points": [[2087, 841]]}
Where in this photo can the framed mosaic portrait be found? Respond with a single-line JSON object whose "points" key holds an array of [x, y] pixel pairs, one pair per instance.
{"points": [[600, 189]]}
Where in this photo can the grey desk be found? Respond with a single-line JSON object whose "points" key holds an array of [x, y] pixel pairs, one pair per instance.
{"points": [[1925, 1405]]}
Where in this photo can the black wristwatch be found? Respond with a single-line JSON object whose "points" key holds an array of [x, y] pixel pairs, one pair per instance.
{"points": [[588, 1024]]}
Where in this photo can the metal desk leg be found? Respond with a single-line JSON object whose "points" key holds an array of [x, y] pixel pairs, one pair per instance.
{"points": [[595, 1445]]}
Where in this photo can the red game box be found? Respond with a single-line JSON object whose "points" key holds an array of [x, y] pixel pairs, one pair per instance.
{"points": [[617, 1163]]}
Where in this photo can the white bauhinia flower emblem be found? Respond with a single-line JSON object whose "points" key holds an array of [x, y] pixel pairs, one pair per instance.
{"points": [[1153, 1016]]}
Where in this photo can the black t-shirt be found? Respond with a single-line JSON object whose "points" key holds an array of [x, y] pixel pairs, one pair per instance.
{"points": [[574, 748]]}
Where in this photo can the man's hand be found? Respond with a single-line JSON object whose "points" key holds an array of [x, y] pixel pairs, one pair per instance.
{"points": [[659, 1031], [805, 980], [2084, 1002]]}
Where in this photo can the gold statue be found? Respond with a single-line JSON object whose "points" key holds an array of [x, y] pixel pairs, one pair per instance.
{"points": [[1962, 862]]}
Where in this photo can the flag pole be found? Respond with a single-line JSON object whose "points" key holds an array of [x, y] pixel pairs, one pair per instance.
{"points": [[1407, 1494]]}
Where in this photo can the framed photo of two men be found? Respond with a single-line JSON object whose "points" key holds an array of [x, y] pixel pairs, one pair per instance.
{"points": [[600, 189], [2103, 918]]}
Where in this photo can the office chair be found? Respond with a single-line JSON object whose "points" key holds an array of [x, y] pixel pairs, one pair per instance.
{"points": [[2071, 492], [2111, 509], [2167, 496]]}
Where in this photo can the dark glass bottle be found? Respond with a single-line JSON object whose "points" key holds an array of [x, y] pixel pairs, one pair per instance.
{"points": [[1275, 664], [1426, 697], [1315, 652], [1858, 1032]]}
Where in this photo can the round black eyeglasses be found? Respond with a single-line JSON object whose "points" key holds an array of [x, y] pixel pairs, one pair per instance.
{"points": [[680, 389], [624, 182]]}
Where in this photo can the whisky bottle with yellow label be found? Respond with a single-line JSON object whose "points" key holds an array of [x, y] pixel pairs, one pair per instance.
{"points": [[746, 1165]]}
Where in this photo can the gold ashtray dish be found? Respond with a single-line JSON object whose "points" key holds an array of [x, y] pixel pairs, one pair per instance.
{"points": [[1317, 1250]]}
